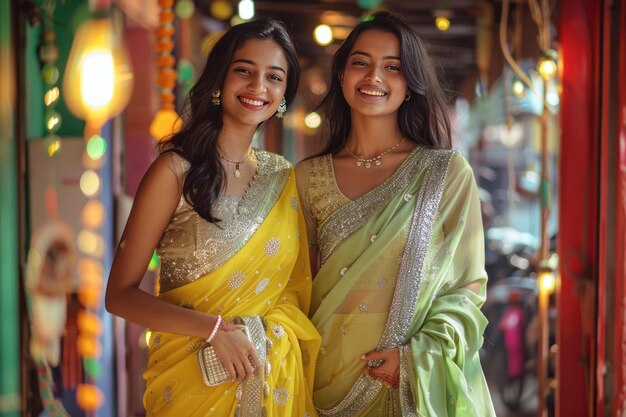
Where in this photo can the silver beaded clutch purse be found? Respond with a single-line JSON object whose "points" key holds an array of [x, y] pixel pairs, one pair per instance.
{"points": [[212, 369]]}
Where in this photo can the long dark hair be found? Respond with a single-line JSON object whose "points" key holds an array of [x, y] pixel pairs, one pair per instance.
{"points": [[197, 139], [423, 118]]}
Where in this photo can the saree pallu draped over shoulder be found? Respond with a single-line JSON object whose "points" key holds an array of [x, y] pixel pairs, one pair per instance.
{"points": [[268, 276], [403, 267]]}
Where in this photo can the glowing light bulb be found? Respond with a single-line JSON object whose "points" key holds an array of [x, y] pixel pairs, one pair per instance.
{"points": [[323, 35], [98, 79], [546, 67], [442, 23], [312, 120], [51, 96], [246, 9], [518, 89], [547, 281]]}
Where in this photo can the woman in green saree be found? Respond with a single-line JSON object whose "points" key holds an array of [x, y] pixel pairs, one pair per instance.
{"points": [[394, 222]]}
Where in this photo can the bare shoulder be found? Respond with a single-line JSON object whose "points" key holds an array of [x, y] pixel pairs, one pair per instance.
{"points": [[167, 172]]}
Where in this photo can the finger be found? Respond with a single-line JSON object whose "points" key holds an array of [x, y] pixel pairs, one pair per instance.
{"points": [[255, 362], [231, 371], [375, 354], [248, 367], [241, 371]]}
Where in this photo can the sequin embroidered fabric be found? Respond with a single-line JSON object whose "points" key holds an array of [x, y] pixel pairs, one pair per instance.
{"points": [[365, 389], [353, 214], [192, 247]]}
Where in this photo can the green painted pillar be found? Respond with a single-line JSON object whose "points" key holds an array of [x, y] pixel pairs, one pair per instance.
{"points": [[9, 268]]}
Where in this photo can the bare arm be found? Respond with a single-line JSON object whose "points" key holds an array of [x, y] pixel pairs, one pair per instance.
{"points": [[154, 205], [156, 200]]}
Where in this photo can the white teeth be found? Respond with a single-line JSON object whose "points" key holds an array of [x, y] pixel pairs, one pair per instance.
{"points": [[373, 93], [251, 102]]}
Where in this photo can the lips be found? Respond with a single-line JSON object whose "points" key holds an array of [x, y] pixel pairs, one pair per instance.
{"points": [[252, 101], [371, 91]]}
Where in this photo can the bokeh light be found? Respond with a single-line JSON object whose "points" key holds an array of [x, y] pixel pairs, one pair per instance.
{"points": [[323, 35], [221, 9], [93, 214], [96, 147], [442, 23], [312, 120]]}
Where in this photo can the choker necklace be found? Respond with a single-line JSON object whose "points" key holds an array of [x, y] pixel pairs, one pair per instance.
{"points": [[376, 160], [237, 163]]}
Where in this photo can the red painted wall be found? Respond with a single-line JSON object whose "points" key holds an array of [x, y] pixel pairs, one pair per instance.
{"points": [[619, 299], [578, 34]]}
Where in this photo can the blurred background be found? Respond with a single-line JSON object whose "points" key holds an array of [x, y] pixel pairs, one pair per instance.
{"points": [[538, 106]]}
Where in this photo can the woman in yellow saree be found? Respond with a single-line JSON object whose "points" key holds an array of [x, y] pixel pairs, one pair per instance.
{"points": [[226, 221], [394, 222]]}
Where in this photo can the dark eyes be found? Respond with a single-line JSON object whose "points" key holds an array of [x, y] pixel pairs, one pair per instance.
{"points": [[390, 67], [246, 71]]}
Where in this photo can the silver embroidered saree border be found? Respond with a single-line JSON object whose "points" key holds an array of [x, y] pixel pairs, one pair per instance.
{"points": [[405, 295], [226, 241], [251, 402], [353, 215]]}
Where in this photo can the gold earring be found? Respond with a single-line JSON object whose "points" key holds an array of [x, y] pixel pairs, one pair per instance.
{"points": [[282, 108], [215, 98]]}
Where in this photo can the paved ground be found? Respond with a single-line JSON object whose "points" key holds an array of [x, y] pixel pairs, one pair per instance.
{"points": [[529, 401]]}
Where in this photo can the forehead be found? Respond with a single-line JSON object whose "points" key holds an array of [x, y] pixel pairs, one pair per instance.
{"points": [[263, 52], [377, 43]]}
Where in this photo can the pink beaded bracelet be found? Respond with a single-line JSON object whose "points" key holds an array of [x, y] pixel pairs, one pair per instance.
{"points": [[215, 329]]}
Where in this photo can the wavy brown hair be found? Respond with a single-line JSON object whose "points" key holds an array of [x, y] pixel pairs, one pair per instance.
{"points": [[423, 119], [197, 139]]}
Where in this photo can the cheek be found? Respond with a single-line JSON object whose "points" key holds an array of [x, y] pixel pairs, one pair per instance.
{"points": [[278, 92]]}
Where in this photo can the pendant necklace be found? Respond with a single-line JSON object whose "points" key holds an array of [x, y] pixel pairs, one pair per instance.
{"points": [[237, 173], [367, 162]]}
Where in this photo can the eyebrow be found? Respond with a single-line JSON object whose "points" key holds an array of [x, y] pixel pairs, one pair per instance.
{"points": [[247, 61], [370, 55]]}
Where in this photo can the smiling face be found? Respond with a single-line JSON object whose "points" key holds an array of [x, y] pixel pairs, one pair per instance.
{"points": [[372, 81], [255, 83]]}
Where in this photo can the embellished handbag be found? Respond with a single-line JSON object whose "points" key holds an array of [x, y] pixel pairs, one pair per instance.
{"points": [[212, 369]]}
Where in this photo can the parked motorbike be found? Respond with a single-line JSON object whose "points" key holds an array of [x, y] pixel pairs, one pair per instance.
{"points": [[510, 307]]}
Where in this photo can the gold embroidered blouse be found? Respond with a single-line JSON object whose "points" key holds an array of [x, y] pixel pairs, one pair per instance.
{"points": [[192, 247], [319, 193]]}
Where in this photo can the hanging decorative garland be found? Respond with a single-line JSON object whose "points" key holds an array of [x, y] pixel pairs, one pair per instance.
{"points": [[167, 120], [48, 54], [50, 248], [186, 72]]}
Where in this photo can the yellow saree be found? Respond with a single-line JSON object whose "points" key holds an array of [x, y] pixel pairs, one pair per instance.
{"points": [[256, 264]]}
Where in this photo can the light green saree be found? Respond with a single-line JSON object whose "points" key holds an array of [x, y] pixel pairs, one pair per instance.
{"points": [[402, 266]]}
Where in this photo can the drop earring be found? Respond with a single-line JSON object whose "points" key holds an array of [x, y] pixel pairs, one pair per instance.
{"points": [[215, 98], [408, 96], [282, 108]]}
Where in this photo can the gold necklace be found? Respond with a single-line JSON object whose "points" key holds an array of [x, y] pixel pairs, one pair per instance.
{"points": [[237, 173], [376, 160]]}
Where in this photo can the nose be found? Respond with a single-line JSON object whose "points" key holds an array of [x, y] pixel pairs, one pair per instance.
{"points": [[373, 75], [257, 84]]}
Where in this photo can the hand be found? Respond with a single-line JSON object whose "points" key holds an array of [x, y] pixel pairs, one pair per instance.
{"points": [[389, 371], [237, 354]]}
